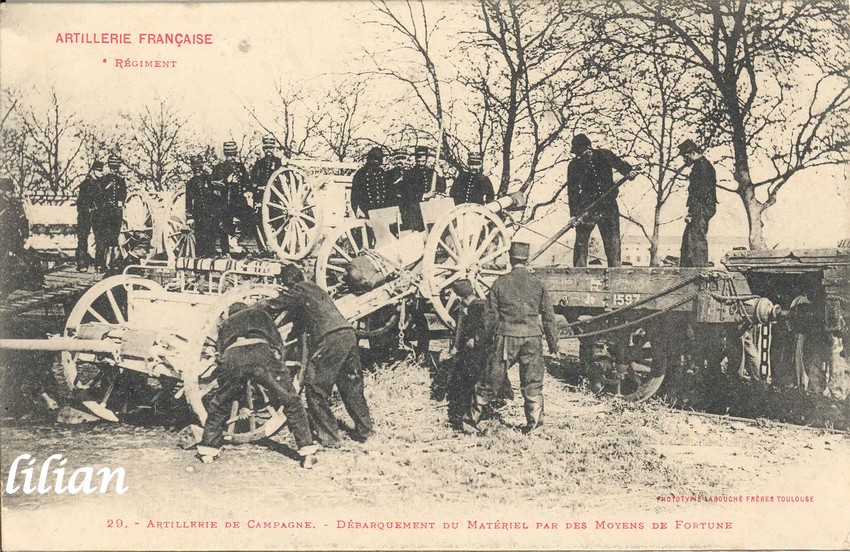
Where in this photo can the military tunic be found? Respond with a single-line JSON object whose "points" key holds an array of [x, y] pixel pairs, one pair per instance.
{"points": [[702, 204], [85, 208], [472, 187], [415, 184], [108, 214], [231, 174], [370, 189], [14, 227], [588, 178]]}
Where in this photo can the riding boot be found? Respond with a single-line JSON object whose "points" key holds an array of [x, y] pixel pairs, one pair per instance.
{"points": [[533, 413]]}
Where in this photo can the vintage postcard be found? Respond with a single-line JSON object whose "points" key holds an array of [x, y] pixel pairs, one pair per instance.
{"points": [[422, 274]]}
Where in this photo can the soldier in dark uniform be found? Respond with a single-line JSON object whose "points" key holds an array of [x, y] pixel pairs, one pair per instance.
{"points": [[335, 359], [108, 212], [206, 206], [415, 188], [472, 186], [518, 312], [702, 204], [370, 187], [86, 194], [589, 176], [262, 170], [14, 227], [231, 175], [249, 346]]}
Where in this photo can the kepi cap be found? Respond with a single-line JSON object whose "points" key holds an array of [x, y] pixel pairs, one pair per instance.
{"points": [[421, 151], [97, 166], [580, 143], [268, 142], [6, 185], [463, 288], [230, 148], [114, 160], [375, 153], [520, 251], [474, 158], [688, 146]]}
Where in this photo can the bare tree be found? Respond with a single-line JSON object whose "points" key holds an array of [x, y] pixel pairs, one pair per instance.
{"points": [[760, 59], [15, 144], [340, 119], [410, 60], [294, 124], [50, 144], [154, 145]]}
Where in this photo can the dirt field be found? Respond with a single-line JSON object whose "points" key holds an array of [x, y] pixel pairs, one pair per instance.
{"points": [[595, 460]]}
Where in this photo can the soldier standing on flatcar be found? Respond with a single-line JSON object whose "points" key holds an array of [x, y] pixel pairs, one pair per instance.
{"points": [[370, 186], [415, 188], [108, 212], [702, 204], [518, 312], [395, 174], [231, 175], [472, 186], [206, 206], [262, 170], [86, 194], [589, 176]]}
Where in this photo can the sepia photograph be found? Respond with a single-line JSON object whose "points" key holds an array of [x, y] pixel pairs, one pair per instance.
{"points": [[425, 274]]}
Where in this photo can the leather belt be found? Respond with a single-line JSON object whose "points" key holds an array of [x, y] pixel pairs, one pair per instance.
{"points": [[244, 341]]}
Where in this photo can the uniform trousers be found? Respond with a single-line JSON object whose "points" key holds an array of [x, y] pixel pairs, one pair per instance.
{"points": [[694, 250], [608, 220], [336, 361]]}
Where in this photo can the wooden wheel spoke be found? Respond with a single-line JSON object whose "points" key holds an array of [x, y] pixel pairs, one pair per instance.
{"points": [[494, 255], [277, 218], [450, 280], [97, 315], [115, 308], [279, 206], [282, 197], [449, 250], [339, 250]]}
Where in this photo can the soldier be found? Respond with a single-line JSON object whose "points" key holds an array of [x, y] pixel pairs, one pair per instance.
{"points": [[206, 206], [232, 176], [472, 186], [702, 204], [14, 227], [589, 176], [249, 345], [335, 359], [415, 188], [108, 212], [262, 170], [370, 187], [395, 174], [85, 209], [468, 350], [515, 307]]}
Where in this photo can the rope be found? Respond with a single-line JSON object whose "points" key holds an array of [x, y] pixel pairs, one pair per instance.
{"points": [[633, 306], [633, 322]]}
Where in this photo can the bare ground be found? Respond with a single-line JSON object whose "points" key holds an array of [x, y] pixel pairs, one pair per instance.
{"points": [[594, 455]]}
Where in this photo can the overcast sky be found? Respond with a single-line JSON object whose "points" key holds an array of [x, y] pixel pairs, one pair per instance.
{"points": [[256, 43]]}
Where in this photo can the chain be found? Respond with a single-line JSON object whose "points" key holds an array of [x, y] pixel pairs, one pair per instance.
{"points": [[633, 322], [403, 323]]}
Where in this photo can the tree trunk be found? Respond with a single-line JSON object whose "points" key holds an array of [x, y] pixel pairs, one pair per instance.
{"points": [[754, 209], [656, 235]]}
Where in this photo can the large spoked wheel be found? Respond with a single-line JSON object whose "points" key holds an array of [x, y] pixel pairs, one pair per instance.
{"points": [[470, 243], [179, 237], [338, 249], [137, 226], [292, 220], [631, 363], [252, 415], [80, 376], [336, 252]]}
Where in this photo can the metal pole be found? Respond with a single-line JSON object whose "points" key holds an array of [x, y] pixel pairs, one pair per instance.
{"points": [[68, 344], [573, 221]]}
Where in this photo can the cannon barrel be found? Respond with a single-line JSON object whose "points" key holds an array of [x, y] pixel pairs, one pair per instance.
{"points": [[68, 344], [516, 200]]}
